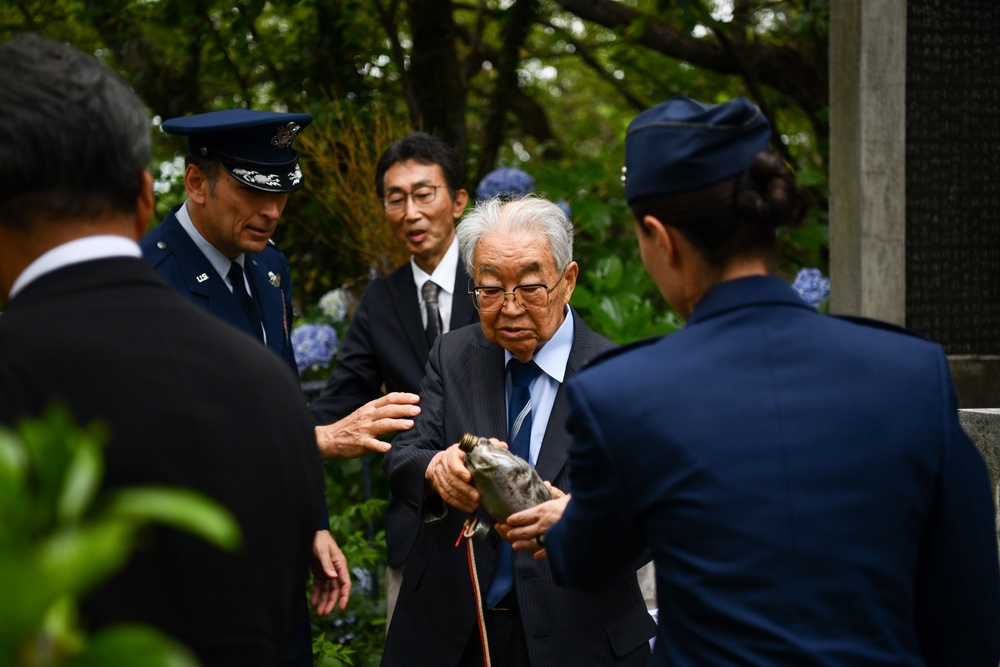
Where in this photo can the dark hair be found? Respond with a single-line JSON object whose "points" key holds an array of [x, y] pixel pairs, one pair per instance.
{"points": [[425, 149], [74, 138], [208, 166], [736, 217]]}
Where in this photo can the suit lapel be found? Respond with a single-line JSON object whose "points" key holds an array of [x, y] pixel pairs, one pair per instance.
{"points": [[404, 303], [462, 310], [270, 301], [555, 447], [487, 390]]}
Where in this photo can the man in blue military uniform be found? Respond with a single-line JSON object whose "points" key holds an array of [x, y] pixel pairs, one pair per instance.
{"points": [[240, 168], [215, 248]]}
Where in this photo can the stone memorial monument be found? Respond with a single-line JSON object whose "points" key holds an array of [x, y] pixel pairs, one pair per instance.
{"points": [[915, 176]]}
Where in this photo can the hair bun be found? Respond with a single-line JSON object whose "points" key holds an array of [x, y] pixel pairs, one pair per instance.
{"points": [[772, 195]]}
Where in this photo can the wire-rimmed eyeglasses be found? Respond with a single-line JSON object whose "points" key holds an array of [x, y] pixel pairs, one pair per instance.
{"points": [[422, 196], [530, 297]]}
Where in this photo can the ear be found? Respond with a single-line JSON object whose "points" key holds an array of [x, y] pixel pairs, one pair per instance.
{"points": [[569, 276], [196, 184], [145, 203], [461, 199], [666, 239]]}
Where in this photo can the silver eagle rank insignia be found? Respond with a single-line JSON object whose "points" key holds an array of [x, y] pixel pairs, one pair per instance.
{"points": [[284, 135]]}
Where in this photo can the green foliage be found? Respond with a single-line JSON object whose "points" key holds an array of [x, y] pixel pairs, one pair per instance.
{"points": [[59, 537], [356, 490]]}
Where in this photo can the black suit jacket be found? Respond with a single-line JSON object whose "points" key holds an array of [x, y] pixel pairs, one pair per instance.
{"points": [[435, 616], [190, 402], [385, 348]]}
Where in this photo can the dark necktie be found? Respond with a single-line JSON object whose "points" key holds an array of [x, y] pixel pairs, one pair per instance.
{"points": [[519, 440], [243, 298], [429, 293]]}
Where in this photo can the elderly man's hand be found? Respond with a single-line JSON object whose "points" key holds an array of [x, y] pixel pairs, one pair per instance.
{"points": [[447, 475], [526, 530], [358, 432]]}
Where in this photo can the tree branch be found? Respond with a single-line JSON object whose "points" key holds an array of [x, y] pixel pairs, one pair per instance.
{"points": [[781, 67], [517, 22]]}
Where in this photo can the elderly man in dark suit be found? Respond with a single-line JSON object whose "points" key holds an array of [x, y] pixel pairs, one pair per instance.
{"points": [[419, 180], [190, 401], [502, 378]]}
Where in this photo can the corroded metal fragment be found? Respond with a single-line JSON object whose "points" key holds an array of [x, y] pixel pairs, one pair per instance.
{"points": [[506, 483]]}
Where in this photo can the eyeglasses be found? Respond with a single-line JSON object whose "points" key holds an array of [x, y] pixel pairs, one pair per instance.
{"points": [[529, 297], [395, 202]]}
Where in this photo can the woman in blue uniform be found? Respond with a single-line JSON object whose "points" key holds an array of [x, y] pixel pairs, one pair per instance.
{"points": [[801, 480]]}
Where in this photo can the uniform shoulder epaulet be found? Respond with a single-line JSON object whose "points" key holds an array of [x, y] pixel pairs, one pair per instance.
{"points": [[154, 248], [880, 324], [622, 349]]}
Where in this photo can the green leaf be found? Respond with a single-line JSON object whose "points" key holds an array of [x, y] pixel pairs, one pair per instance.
{"points": [[181, 508], [21, 579], [83, 477], [77, 558], [135, 646]]}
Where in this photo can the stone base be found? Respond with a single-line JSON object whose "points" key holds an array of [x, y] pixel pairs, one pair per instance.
{"points": [[977, 380], [983, 427]]}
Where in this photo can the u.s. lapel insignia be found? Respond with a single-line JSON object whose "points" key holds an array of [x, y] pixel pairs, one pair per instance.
{"points": [[284, 135], [274, 278], [202, 278]]}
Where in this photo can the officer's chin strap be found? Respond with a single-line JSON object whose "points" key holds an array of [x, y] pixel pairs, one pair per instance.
{"points": [[468, 530]]}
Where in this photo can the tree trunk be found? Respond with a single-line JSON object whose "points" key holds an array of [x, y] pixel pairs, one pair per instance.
{"points": [[435, 74]]}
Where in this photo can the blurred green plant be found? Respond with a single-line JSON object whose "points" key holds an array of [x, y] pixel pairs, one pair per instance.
{"points": [[355, 491], [60, 537]]}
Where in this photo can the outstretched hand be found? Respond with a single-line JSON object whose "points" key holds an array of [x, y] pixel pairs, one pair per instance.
{"points": [[358, 432]]}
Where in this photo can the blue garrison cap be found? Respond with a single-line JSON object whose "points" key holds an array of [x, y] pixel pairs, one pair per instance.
{"points": [[255, 147], [682, 145]]}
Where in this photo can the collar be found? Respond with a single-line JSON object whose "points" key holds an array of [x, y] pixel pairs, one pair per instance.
{"points": [[214, 256], [444, 273], [741, 292], [75, 252], [553, 357]]}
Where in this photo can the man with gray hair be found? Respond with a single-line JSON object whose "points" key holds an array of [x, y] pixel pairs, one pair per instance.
{"points": [[502, 379]]}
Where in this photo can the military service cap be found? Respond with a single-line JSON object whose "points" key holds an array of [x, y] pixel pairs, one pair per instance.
{"points": [[254, 147], [682, 145]]}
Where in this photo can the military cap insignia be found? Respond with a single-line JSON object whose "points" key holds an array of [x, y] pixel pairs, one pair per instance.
{"points": [[285, 134], [257, 178], [274, 278]]}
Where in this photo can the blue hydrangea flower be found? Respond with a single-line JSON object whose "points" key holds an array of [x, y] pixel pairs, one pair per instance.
{"points": [[564, 205], [334, 304], [505, 181], [812, 287], [314, 346]]}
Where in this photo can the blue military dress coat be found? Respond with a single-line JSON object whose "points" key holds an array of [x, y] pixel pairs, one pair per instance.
{"points": [[179, 261], [802, 481]]}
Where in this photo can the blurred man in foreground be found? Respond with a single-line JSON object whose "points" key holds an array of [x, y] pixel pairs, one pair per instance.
{"points": [[190, 402]]}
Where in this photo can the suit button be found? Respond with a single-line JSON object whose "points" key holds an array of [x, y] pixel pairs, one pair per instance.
{"points": [[161, 245]]}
